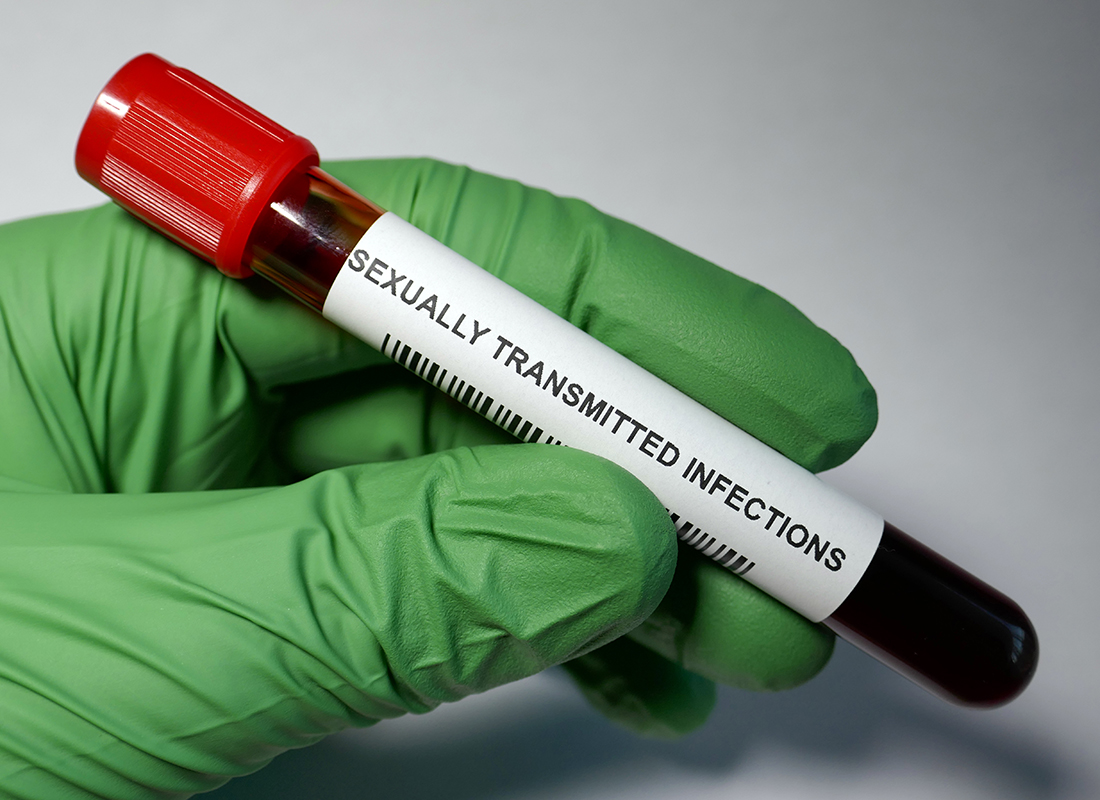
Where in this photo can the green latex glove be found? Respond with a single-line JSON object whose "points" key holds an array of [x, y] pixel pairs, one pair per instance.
{"points": [[228, 529]]}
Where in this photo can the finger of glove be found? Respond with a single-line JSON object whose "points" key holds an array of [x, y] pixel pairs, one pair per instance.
{"points": [[731, 632], [379, 414], [169, 641], [637, 688], [710, 627], [732, 345]]}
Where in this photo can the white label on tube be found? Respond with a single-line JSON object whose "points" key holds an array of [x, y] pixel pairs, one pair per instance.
{"points": [[735, 499]]}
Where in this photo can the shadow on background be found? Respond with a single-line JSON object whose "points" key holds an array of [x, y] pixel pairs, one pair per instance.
{"points": [[842, 718]]}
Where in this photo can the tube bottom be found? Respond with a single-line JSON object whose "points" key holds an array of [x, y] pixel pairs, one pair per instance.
{"points": [[938, 625]]}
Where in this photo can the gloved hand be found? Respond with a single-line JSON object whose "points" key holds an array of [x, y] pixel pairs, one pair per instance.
{"points": [[177, 607]]}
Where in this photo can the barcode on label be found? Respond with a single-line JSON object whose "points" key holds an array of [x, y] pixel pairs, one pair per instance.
{"points": [[472, 397], [465, 393], [707, 545]]}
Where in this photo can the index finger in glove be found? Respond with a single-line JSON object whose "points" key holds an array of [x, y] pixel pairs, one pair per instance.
{"points": [[732, 345]]}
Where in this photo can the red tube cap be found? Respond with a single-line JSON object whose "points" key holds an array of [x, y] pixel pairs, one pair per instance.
{"points": [[187, 158]]}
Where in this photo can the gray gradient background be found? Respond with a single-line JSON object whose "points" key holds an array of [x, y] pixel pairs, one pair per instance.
{"points": [[921, 178]]}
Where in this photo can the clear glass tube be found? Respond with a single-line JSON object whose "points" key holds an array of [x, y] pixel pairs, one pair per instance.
{"points": [[305, 234], [912, 609]]}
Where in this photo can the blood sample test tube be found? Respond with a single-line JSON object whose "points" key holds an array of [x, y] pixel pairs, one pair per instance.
{"points": [[249, 196]]}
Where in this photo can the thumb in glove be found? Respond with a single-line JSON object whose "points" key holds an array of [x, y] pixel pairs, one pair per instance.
{"points": [[167, 642]]}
